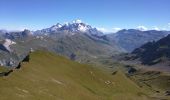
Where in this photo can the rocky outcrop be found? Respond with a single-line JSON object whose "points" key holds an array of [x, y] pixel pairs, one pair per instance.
{"points": [[6, 73]]}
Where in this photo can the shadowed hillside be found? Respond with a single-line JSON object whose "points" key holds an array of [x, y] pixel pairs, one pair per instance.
{"points": [[154, 52]]}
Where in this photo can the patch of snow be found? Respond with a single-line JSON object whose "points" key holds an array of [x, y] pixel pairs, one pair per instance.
{"points": [[8, 43], [55, 27], [82, 28], [59, 25], [142, 28]]}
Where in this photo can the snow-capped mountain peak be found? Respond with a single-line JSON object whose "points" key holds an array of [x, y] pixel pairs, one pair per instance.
{"points": [[76, 26], [72, 28], [55, 27]]}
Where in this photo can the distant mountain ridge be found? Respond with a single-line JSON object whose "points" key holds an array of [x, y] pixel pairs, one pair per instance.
{"points": [[153, 53], [132, 38], [18, 35]]}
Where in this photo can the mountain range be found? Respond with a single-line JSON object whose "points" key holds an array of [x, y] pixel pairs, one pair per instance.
{"points": [[76, 38], [132, 38]]}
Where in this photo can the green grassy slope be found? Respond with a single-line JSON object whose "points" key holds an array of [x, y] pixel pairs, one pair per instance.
{"points": [[157, 82], [3, 69], [51, 77]]}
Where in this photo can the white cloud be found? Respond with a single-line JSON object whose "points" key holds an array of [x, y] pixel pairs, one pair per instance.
{"points": [[156, 28], [168, 24], [77, 21], [142, 28], [164, 28], [102, 29], [116, 29], [66, 23], [113, 30]]}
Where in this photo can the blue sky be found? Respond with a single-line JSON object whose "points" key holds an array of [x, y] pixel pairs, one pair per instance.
{"points": [[104, 14]]}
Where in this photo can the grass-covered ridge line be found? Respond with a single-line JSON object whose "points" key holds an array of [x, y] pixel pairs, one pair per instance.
{"points": [[51, 77]]}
